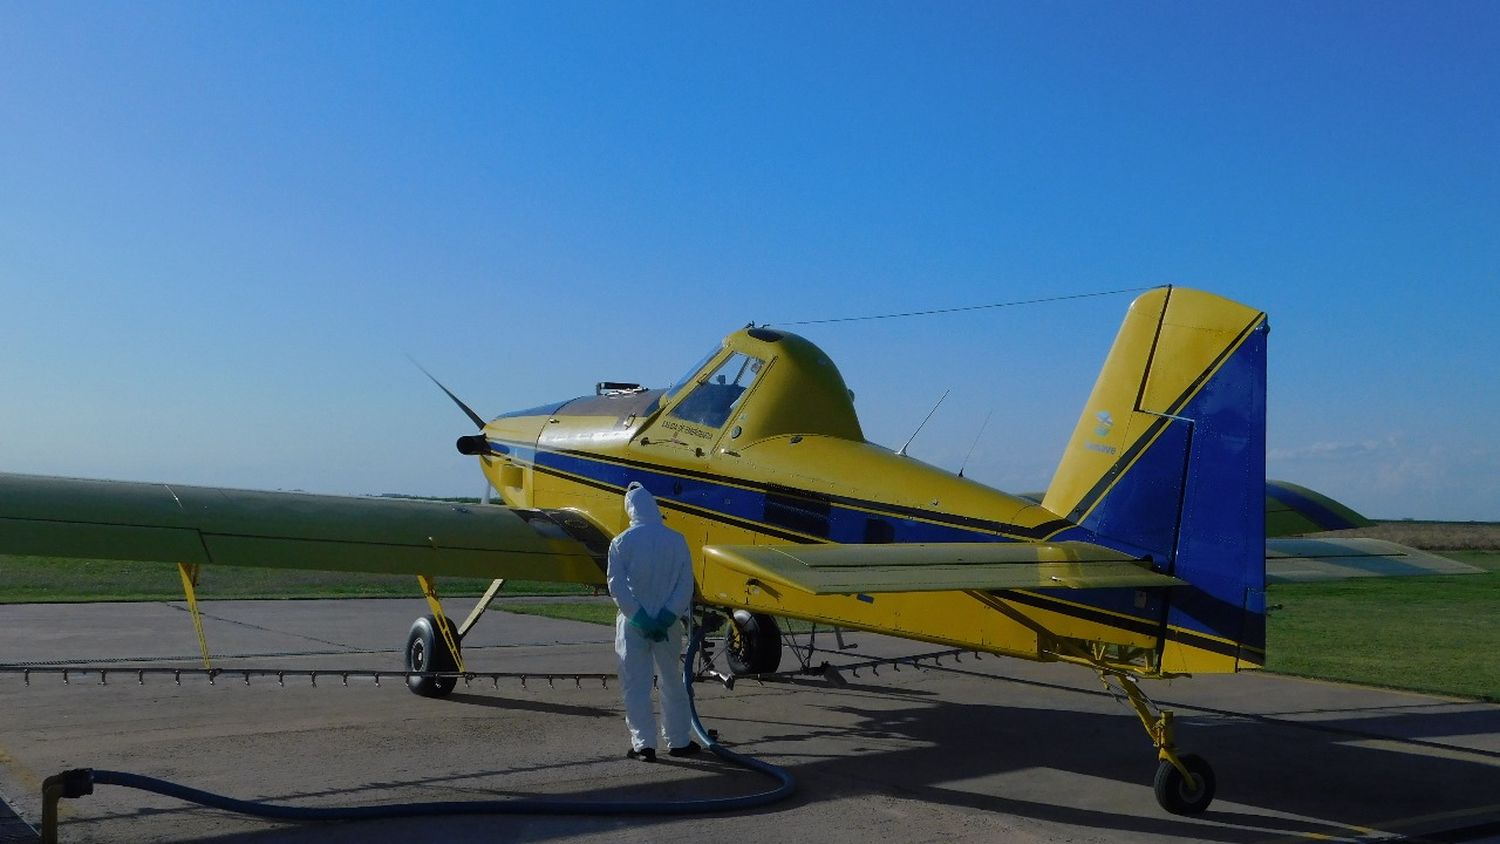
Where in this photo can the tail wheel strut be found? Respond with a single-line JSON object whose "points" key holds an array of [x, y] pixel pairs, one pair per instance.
{"points": [[1184, 783]]}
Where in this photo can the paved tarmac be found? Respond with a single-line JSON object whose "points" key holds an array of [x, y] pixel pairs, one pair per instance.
{"points": [[988, 750]]}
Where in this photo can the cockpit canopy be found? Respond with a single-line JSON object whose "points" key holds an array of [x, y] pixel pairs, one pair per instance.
{"points": [[711, 401], [766, 383], [758, 383]]}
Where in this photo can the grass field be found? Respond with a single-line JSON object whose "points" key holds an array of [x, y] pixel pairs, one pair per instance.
{"points": [[1433, 634], [594, 612]]}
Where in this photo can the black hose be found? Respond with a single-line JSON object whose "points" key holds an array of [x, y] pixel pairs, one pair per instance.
{"points": [[396, 810], [786, 785], [438, 807]]}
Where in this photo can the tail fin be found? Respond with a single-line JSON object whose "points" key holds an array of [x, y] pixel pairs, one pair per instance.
{"points": [[1168, 461]]}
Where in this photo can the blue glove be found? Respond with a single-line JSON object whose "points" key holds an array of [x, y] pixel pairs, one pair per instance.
{"points": [[647, 625], [665, 620]]}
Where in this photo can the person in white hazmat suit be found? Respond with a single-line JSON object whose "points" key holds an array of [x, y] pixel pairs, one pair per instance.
{"points": [[651, 580]]}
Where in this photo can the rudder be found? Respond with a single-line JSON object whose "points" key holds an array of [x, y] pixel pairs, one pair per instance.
{"points": [[1168, 461]]}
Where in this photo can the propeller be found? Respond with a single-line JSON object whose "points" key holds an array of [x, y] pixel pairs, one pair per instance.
{"points": [[478, 421]]}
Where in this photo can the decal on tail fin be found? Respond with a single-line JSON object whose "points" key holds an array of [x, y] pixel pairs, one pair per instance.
{"points": [[1168, 462]]}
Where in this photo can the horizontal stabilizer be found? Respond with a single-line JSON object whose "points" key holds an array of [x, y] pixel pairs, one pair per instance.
{"points": [[1313, 560], [118, 520], [1291, 510], [936, 567]]}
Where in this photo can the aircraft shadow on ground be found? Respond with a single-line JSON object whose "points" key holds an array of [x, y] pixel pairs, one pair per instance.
{"points": [[1278, 768], [1419, 726], [527, 705], [958, 754]]}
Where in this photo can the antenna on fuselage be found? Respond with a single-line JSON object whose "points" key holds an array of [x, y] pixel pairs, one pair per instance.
{"points": [[982, 426], [902, 451]]}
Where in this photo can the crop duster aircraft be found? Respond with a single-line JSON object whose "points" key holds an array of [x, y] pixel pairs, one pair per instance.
{"points": [[1147, 557]]}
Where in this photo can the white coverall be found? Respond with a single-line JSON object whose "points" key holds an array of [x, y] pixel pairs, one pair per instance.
{"points": [[650, 569]]}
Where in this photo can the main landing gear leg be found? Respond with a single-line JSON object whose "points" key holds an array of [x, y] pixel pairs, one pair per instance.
{"points": [[752, 645], [1184, 783], [189, 573], [433, 648]]}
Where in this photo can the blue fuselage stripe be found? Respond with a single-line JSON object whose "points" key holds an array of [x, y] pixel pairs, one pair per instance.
{"points": [[823, 520]]}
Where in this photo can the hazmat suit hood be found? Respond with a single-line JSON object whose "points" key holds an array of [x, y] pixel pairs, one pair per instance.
{"points": [[641, 507]]}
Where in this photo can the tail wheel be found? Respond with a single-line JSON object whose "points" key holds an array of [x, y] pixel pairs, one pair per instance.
{"points": [[426, 650], [754, 644], [1176, 794]]}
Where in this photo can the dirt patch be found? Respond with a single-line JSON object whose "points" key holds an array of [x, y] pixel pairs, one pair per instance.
{"points": [[1433, 536]]}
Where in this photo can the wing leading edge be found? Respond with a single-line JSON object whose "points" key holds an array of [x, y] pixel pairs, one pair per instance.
{"points": [[69, 517]]}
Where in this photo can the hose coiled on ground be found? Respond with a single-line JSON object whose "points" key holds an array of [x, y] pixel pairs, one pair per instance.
{"points": [[81, 781]]}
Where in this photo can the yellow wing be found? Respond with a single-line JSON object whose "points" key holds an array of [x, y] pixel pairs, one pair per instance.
{"points": [[936, 567], [67, 517]]}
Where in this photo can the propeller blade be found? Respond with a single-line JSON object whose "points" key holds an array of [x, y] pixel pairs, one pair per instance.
{"points": [[478, 421]]}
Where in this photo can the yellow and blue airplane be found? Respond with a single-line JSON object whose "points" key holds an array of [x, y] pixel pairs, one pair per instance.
{"points": [[1147, 557]]}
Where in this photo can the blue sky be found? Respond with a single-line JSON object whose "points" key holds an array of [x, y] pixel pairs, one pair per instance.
{"points": [[222, 227]]}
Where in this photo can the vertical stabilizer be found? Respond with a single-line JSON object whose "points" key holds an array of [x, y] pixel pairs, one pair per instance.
{"points": [[1168, 461]]}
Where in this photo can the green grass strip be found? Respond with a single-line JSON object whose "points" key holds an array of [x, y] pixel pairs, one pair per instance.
{"points": [[1428, 634], [596, 612]]}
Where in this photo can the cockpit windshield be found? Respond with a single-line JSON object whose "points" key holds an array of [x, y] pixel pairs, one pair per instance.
{"points": [[713, 400], [687, 377]]}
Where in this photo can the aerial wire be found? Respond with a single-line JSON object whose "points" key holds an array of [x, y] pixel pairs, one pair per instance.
{"points": [[982, 426], [936, 311]]}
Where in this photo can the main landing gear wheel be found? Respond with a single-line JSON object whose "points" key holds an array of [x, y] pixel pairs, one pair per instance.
{"points": [[1176, 794], [753, 645], [426, 650]]}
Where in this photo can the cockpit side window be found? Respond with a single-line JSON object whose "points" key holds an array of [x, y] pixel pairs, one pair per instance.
{"points": [[714, 399]]}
